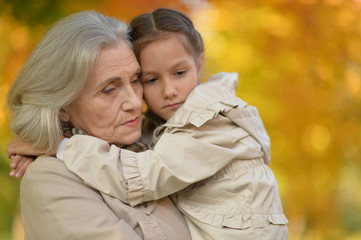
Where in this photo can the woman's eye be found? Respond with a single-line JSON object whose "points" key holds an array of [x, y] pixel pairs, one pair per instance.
{"points": [[138, 80], [108, 90]]}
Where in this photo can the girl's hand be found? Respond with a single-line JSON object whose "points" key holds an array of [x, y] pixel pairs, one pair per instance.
{"points": [[19, 164], [18, 146], [21, 154]]}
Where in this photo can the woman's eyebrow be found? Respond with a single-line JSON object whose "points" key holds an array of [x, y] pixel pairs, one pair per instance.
{"points": [[109, 80], [116, 78], [138, 71]]}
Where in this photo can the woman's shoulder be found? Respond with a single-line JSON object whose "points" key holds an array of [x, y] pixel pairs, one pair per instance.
{"points": [[48, 172], [44, 165], [55, 201], [48, 181]]}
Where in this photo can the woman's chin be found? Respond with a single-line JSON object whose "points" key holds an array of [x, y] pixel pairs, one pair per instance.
{"points": [[127, 140]]}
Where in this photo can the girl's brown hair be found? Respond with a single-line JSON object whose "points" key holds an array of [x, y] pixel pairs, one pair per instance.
{"points": [[152, 26], [159, 24]]}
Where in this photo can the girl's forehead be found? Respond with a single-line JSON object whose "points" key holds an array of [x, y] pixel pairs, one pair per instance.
{"points": [[173, 36]]}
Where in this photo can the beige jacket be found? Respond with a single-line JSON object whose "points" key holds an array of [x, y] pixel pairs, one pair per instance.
{"points": [[212, 155], [56, 204]]}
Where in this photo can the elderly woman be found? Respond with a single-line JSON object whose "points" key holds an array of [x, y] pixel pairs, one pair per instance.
{"points": [[82, 77]]}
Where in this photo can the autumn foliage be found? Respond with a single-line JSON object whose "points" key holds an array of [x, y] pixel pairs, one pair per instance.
{"points": [[298, 61]]}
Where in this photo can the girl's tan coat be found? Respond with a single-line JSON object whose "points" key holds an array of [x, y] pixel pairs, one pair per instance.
{"points": [[212, 156]]}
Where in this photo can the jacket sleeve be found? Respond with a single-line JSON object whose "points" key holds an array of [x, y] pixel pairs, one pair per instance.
{"points": [[56, 204], [177, 161], [97, 164]]}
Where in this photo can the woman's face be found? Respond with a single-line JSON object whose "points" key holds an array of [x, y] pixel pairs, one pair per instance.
{"points": [[169, 74], [110, 105]]}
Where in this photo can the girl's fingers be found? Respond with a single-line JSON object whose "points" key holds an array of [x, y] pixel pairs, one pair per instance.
{"points": [[15, 159], [19, 165], [23, 159], [12, 173], [23, 167]]}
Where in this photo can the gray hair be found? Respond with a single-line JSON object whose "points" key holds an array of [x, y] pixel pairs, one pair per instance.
{"points": [[55, 73]]}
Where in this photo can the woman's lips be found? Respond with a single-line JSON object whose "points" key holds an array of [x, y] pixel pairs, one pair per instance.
{"points": [[132, 123]]}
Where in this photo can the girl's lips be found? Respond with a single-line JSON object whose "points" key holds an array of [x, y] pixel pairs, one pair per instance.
{"points": [[173, 106], [132, 123]]}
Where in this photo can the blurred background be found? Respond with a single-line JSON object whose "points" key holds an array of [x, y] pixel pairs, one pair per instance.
{"points": [[298, 62]]}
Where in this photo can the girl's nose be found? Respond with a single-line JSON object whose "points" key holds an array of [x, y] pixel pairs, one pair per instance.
{"points": [[169, 89]]}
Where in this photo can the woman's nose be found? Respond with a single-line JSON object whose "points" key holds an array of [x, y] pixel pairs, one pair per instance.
{"points": [[132, 100]]}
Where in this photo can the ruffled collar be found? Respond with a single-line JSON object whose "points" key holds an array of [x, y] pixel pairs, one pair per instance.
{"points": [[207, 100]]}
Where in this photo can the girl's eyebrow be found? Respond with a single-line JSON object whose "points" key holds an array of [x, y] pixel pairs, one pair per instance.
{"points": [[177, 64], [147, 72]]}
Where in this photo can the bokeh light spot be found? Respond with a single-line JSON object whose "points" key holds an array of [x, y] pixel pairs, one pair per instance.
{"points": [[316, 139], [353, 81], [19, 38]]}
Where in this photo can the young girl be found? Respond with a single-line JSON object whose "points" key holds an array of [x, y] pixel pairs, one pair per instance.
{"points": [[211, 151]]}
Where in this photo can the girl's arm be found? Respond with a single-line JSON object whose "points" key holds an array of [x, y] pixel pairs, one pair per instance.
{"points": [[22, 154], [181, 157], [18, 146], [177, 161]]}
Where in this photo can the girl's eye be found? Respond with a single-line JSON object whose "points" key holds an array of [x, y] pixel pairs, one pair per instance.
{"points": [[152, 80], [180, 73]]}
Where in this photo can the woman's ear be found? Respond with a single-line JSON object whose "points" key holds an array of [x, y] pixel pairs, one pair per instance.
{"points": [[64, 115]]}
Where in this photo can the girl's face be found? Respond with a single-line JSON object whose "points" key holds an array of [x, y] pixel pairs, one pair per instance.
{"points": [[169, 74]]}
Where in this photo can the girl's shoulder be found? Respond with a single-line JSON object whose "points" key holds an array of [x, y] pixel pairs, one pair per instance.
{"points": [[221, 80], [207, 100]]}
